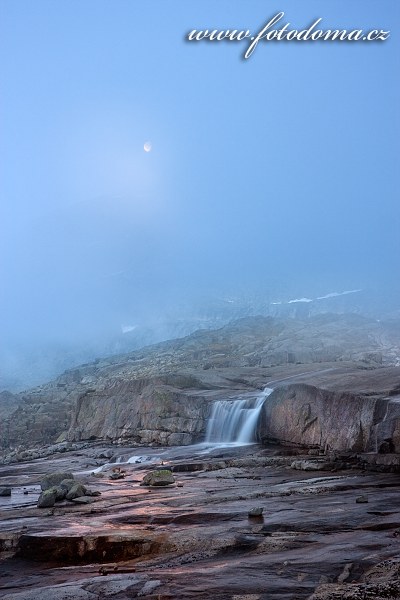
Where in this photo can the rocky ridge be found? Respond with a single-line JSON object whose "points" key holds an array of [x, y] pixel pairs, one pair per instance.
{"points": [[162, 394]]}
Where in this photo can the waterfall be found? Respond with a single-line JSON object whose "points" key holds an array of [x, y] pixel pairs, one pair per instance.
{"points": [[235, 421]]}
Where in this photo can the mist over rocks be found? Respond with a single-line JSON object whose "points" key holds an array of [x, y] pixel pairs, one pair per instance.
{"points": [[25, 364], [162, 394]]}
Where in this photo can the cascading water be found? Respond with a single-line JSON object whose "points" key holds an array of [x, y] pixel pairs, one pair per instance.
{"points": [[235, 421], [232, 422]]}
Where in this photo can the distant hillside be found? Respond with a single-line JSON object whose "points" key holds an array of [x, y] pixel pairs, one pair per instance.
{"points": [[25, 364]]}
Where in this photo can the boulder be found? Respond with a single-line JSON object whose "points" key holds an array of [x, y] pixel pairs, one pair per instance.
{"points": [[76, 491], [159, 478], [5, 491], [67, 484], [47, 498], [54, 479], [60, 491]]}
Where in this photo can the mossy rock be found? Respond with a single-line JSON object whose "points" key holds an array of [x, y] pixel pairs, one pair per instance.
{"points": [[159, 478], [47, 498]]}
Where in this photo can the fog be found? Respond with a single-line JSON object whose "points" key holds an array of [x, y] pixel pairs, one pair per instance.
{"points": [[269, 179]]}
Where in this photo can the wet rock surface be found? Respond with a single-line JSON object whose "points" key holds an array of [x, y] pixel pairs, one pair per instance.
{"points": [[207, 538], [316, 517]]}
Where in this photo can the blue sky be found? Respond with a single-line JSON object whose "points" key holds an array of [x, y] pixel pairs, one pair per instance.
{"points": [[279, 172]]}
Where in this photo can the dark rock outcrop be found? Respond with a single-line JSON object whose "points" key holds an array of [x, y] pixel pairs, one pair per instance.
{"points": [[145, 411], [307, 416]]}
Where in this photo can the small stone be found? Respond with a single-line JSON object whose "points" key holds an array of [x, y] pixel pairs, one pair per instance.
{"points": [[361, 499], [256, 512], [117, 475], [106, 454], [179, 484], [5, 491]]}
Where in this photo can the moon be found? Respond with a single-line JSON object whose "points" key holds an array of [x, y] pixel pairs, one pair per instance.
{"points": [[147, 147]]}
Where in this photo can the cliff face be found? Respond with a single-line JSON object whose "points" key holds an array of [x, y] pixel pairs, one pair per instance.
{"points": [[146, 411], [332, 388], [36, 418], [304, 415]]}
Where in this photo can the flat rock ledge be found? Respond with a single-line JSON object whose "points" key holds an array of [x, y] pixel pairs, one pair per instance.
{"points": [[237, 523]]}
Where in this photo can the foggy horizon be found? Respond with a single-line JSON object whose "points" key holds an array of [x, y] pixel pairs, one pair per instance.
{"points": [[272, 178]]}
